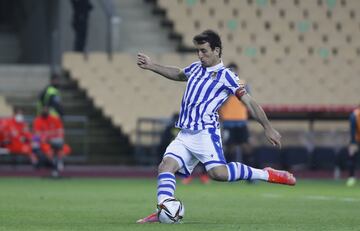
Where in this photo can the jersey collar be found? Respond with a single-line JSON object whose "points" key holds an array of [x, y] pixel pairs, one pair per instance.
{"points": [[216, 67]]}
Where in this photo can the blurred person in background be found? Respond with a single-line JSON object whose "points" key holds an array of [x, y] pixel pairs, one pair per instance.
{"points": [[48, 140], [203, 176], [168, 135], [3, 150], [16, 137], [81, 11], [50, 97], [234, 117], [353, 148]]}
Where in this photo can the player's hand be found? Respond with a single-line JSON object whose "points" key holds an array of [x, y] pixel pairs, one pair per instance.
{"points": [[242, 83], [143, 61], [273, 136], [353, 148]]}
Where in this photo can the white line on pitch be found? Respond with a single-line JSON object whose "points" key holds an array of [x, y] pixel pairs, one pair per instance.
{"points": [[320, 198], [271, 195]]}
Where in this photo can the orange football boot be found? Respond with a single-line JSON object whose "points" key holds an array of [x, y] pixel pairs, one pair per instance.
{"points": [[280, 177], [149, 219]]}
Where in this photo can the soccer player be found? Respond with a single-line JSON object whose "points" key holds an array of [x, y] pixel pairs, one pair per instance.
{"points": [[209, 84], [354, 144]]}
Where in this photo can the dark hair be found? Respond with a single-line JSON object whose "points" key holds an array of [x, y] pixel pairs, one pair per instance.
{"points": [[211, 37]]}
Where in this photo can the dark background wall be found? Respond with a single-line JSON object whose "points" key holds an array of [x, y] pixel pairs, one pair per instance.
{"points": [[43, 27]]}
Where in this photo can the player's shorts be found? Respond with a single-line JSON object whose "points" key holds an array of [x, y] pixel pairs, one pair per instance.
{"points": [[190, 147]]}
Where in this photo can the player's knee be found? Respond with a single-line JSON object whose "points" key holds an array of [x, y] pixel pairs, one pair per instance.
{"points": [[218, 174], [168, 165]]}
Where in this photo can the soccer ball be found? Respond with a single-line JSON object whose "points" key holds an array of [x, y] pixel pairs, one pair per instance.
{"points": [[171, 211]]}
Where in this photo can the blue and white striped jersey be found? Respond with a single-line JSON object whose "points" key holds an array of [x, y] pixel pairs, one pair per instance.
{"points": [[206, 90]]}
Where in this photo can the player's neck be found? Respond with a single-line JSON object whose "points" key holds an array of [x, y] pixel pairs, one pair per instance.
{"points": [[216, 62], [215, 66]]}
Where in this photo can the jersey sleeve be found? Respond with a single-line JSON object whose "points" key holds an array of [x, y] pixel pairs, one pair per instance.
{"points": [[232, 83], [190, 69]]}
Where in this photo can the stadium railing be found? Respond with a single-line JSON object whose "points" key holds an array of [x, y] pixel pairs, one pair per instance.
{"points": [[148, 135]]}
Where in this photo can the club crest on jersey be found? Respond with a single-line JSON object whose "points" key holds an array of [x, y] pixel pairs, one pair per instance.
{"points": [[213, 75]]}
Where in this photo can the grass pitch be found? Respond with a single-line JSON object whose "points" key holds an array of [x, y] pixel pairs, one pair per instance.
{"points": [[115, 204]]}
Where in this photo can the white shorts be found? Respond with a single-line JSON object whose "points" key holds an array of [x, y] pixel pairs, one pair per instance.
{"points": [[190, 147]]}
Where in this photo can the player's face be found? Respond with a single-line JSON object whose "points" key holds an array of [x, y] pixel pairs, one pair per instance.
{"points": [[207, 56]]}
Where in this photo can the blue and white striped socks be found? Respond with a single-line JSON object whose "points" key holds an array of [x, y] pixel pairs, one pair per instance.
{"points": [[166, 186], [238, 171]]}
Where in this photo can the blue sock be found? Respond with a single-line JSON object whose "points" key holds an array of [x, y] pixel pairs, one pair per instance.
{"points": [[166, 186], [238, 171]]}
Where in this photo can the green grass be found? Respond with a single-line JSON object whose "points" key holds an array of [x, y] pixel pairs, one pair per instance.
{"points": [[115, 204]]}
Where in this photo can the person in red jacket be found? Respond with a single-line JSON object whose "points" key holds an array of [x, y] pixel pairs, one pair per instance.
{"points": [[3, 150], [16, 136], [49, 139]]}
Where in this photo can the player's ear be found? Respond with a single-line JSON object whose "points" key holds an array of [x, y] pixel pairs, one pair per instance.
{"points": [[217, 50]]}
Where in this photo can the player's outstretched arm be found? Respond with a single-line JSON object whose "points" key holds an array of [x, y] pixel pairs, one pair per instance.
{"points": [[259, 115], [173, 73]]}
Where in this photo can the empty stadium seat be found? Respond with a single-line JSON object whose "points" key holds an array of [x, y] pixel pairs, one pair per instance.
{"points": [[295, 157], [265, 156], [301, 42], [323, 158]]}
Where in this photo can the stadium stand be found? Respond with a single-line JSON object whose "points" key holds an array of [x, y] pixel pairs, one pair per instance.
{"points": [[118, 85], [111, 83], [281, 43]]}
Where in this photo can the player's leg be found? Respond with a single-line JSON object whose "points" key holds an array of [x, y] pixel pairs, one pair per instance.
{"points": [[165, 187], [166, 182], [57, 145], [235, 171], [182, 162], [213, 157], [351, 181], [27, 150]]}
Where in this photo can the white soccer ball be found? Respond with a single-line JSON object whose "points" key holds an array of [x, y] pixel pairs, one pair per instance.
{"points": [[171, 211]]}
